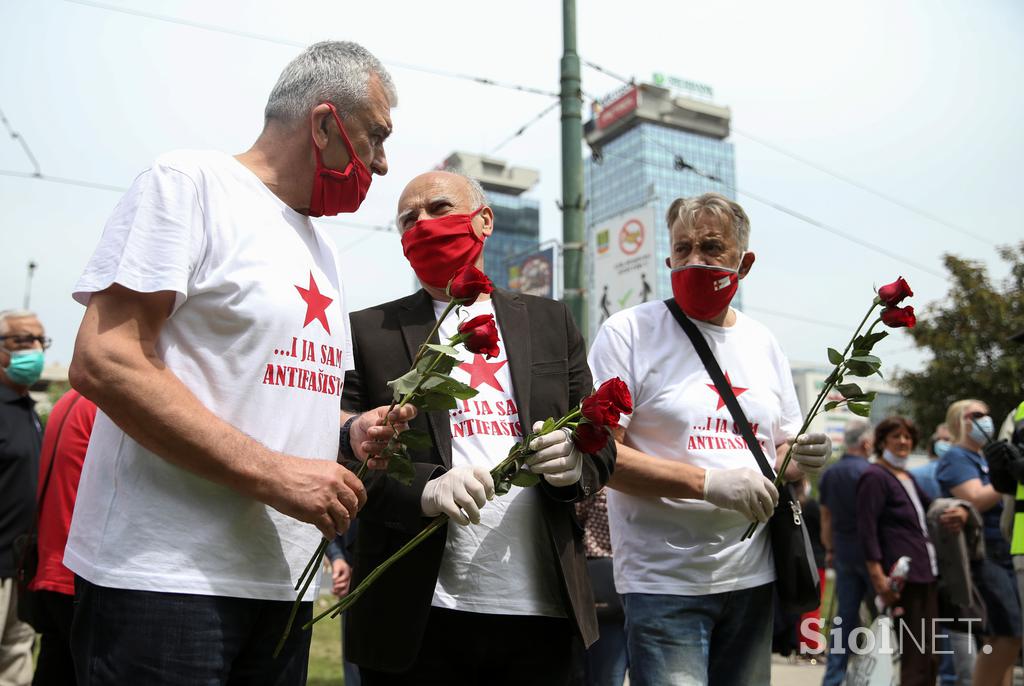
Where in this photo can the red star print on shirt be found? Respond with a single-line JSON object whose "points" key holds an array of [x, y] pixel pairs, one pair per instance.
{"points": [[316, 304], [483, 372], [735, 390]]}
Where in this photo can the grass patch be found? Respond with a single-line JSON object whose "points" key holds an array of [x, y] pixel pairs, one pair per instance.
{"points": [[325, 652]]}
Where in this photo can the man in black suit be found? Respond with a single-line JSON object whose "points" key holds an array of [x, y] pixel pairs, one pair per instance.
{"points": [[502, 600]]}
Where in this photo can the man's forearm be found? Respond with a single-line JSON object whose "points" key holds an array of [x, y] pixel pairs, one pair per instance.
{"points": [[638, 473], [150, 404]]}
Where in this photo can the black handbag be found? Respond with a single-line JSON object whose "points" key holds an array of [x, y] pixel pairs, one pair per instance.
{"points": [[607, 602], [796, 574], [26, 549]]}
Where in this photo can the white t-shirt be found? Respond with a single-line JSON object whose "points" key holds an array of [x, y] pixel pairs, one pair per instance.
{"points": [[510, 548], [259, 333], [679, 546]]}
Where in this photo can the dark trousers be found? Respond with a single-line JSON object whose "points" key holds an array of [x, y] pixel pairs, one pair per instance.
{"points": [[171, 639], [920, 603], [474, 649], [54, 666]]}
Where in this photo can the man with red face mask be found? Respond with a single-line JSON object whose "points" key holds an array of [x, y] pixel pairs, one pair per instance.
{"points": [[215, 343], [698, 599], [505, 583]]}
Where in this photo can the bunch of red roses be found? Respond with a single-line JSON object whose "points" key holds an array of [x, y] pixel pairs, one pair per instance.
{"points": [[428, 384], [856, 360], [591, 423]]}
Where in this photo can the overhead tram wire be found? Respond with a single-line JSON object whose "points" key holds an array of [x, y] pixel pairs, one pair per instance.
{"points": [[867, 189], [522, 129], [21, 141], [825, 170], [296, 44]]}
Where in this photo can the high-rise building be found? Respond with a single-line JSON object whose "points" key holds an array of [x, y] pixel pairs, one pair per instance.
{"points": [[642, 138], [516, 219]]}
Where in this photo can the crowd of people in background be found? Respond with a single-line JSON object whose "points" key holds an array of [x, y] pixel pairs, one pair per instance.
{"points": [[152, 534]]}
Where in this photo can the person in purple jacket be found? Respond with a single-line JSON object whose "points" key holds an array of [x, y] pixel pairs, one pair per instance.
{"points": [[891, 524]]}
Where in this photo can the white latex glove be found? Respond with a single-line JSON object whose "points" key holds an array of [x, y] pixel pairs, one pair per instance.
{"points": [[744, 490], [557, 458], [459, 493], [811, 451]]}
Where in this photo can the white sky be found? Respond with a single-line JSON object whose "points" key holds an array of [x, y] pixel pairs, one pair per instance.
{"points": [[917, 99]]}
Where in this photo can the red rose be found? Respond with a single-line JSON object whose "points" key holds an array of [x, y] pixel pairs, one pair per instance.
{"points": [[615, 392], [897, 317], [599, 411], [468, 283], [892, 294], [590, 438], [481, 335]]}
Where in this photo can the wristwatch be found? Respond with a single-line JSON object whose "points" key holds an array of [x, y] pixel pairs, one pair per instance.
{"points": [[345, 439]]}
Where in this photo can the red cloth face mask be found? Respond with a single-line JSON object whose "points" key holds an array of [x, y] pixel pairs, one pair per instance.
{"points": [[336, 191], [702, 291], [437, 247]]}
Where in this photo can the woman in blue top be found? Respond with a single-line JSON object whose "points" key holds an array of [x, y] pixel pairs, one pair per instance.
{"points": [[963, 473]]}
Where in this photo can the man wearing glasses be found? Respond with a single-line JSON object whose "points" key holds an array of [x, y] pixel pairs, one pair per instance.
{"points": [[22, 341]]}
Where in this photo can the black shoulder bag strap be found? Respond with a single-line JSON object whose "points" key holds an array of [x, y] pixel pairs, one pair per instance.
{"points": [[724, 389]]}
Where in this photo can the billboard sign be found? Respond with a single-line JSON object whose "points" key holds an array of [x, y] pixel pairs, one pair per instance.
{"points": [[618, 108], [537, 272], [625, 270]]}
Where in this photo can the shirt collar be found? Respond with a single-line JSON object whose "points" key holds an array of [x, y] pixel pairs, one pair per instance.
{"points": [[9, 395]]}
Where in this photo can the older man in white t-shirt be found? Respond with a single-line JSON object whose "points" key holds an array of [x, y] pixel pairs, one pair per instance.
{"points": [[215, 343], [698, 599]]}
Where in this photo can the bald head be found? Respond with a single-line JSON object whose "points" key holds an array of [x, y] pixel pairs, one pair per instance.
{"points": [[436, 194]]}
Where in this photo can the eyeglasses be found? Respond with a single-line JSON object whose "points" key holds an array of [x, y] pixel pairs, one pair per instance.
{"points": [[22, 341]]}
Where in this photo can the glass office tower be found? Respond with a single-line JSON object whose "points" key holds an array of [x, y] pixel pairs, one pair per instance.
{"points": [[641, 141]]}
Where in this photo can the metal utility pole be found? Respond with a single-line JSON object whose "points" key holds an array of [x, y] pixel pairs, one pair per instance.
{"points": [[28, 283], [572, 170]]}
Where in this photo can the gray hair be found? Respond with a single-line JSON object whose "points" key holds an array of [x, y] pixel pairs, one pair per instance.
{"points": [[689, 210], [856, 430], [13, 314], [476, 191], [337, 72]]}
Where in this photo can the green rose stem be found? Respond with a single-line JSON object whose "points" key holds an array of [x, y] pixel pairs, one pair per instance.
{"points": [[452, 304], [498, 473], [830, 383]]}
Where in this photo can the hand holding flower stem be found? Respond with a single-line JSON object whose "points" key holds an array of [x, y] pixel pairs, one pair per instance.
{"points": [[590, 422]]}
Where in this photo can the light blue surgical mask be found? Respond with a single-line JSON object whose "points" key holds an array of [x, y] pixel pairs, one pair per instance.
{"points": [[982, 430], [25, 366], [941, 447], [897, 462]]}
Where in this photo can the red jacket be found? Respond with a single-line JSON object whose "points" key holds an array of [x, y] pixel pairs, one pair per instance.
{"points": [[64, 443]]}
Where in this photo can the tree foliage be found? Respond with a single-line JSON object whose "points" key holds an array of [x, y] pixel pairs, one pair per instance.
{"points": [[968, 335]]}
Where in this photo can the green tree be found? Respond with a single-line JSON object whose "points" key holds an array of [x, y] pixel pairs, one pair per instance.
{"points": [[967, 334]]}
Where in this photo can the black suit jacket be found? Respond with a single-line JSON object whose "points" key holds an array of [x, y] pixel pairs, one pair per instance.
{"points": [[548, 365]]}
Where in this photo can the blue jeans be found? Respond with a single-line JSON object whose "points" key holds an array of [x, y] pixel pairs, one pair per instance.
{"points": [[606, 658], [721, 639], [852, 586], [171, 639]]}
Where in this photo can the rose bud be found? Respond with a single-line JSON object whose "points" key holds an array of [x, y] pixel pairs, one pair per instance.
{"points": [[616, 392], [898, 317], [481, 335], [892, 294], [590, 438], [468, 284]]}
